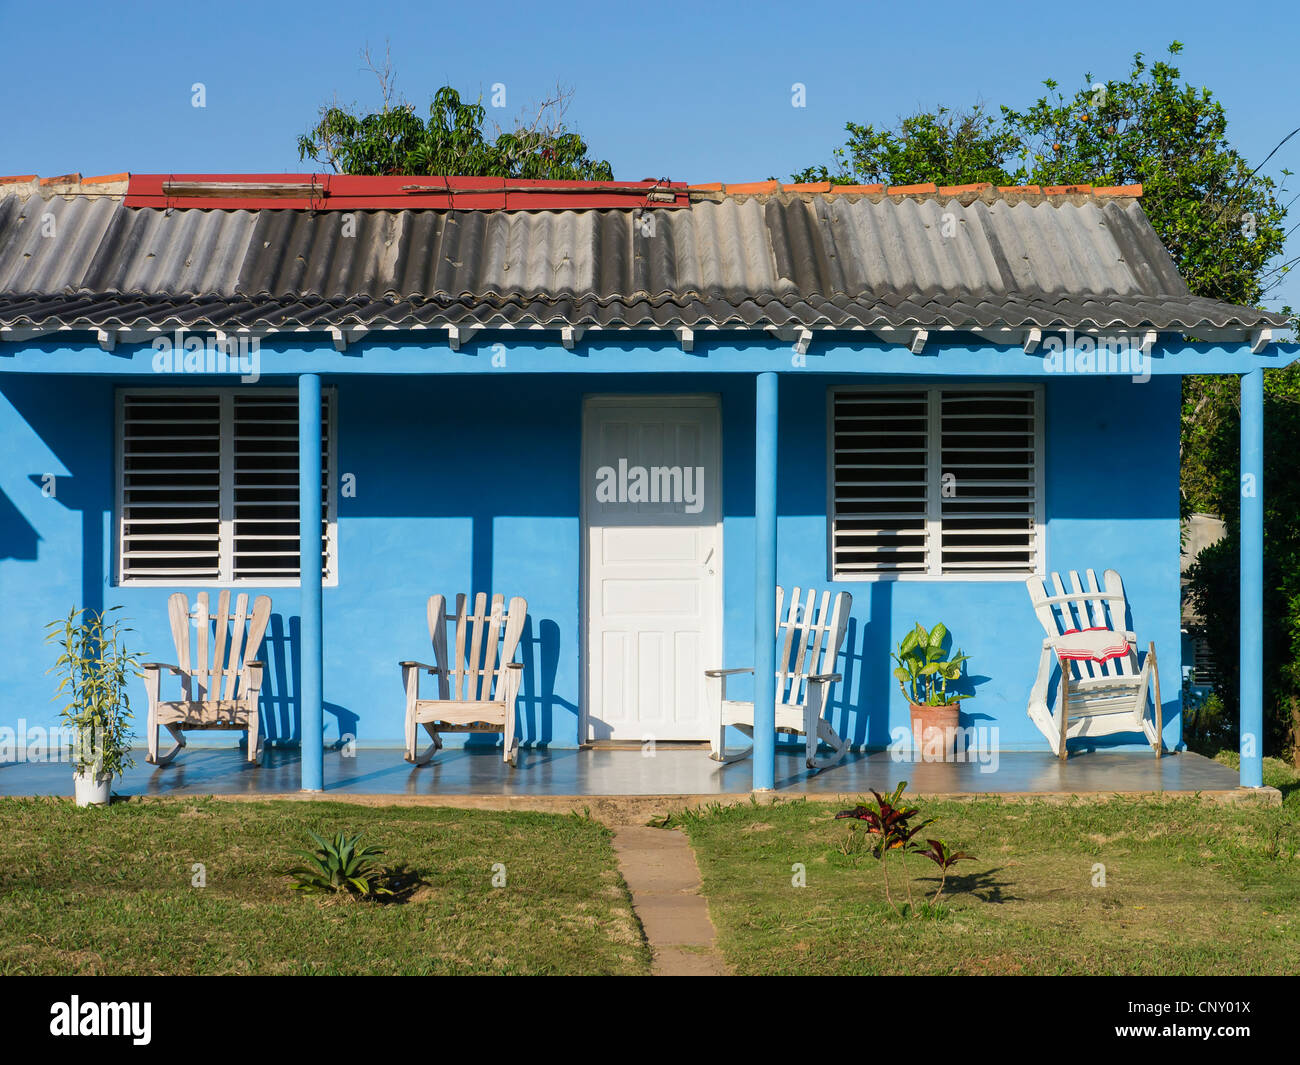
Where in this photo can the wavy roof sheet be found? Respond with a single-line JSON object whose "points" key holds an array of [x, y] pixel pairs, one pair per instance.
{"points": [[745, 262]]}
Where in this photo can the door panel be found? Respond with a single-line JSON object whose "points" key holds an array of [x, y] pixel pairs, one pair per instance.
{"points": [[652, 512]]}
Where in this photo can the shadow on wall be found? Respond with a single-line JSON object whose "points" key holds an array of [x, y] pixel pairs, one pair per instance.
{"points": [[18, 538], [543, 485], [280, 703], [860, 708], [539, 651]]}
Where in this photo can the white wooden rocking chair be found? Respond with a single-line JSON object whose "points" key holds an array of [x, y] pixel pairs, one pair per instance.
{"points": [[217, 692], [808, 644], [1099, 695], [475, 693]]}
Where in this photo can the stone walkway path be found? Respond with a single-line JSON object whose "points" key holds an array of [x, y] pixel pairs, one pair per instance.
{"points": [[660, 869]]}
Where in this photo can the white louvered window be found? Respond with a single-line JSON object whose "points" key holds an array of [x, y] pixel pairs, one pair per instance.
{"points": [[208, 487], [935, 482]]}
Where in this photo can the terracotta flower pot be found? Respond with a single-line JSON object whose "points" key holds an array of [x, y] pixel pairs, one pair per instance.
{"points": [[934, 730]]}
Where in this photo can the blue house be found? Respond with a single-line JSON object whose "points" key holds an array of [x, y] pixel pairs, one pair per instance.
{"points": [[640, 406]]}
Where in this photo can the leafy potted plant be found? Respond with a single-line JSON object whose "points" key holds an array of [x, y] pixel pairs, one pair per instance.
{"points": [[923, 673], [95, 666]]}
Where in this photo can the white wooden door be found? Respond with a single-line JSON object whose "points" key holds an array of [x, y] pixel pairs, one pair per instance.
{"points": [[652, 511]]}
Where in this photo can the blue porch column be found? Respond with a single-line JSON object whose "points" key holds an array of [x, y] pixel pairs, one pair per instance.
{"points": [[1252, 579], [309, 569], [765, 461]]}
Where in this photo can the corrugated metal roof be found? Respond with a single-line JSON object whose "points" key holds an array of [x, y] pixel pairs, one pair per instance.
{"points": [[818, 261]]}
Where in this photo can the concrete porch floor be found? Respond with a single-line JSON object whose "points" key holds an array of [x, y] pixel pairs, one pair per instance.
{"points": [[551, 775]]}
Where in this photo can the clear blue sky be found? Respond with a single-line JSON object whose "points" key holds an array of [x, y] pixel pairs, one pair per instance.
{"points": [[695, 92]]}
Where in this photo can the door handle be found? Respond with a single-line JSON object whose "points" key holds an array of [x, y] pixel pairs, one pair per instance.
{"points": [[706, 562]]}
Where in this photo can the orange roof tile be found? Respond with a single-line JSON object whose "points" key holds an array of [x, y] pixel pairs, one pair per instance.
{"points": [[957, 190], [753, 188], [907, 190]]}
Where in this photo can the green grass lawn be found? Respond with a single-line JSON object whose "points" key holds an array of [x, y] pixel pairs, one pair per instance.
{"points": [[109, 891], [1190, 887]]}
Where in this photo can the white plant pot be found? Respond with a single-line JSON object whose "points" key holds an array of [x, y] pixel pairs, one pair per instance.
{"points": [[92, 789]]}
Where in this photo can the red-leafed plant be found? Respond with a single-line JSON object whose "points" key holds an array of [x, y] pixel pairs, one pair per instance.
{"points": [[889, 821], [944, 857], [891, 824]]}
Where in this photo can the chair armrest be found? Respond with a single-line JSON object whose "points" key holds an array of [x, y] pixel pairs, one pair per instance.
{"points": [[514, 665], [259, 665], [161, 665], [726, 672], [825, 678], [422, 665]]}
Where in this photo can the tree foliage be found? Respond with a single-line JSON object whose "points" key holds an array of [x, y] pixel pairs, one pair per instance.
{"points": [[1221, 220], [971, 143], [452, 140]]}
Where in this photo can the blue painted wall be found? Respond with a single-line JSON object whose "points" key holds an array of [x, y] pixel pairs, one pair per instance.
{"points": [[469, 481]]}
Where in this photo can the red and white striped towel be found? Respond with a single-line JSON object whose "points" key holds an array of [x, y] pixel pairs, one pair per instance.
{"points": [[1098, 644]]}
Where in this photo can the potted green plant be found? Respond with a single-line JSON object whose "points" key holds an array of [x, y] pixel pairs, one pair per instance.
{"points": [[94, 667], [923, 672]]}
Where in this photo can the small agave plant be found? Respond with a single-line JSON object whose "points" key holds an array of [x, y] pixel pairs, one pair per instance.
{"points": [[340, 865]]}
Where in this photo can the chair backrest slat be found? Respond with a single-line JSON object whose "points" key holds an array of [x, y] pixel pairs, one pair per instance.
{"points": [[238, 621], [476, 648], [785, 636], [1118, 604], [806, 629], [488, 673], [257, 623], [438, 633], [201, 617], [178, 613], [458, 682], [217, 667], [515, 618]]}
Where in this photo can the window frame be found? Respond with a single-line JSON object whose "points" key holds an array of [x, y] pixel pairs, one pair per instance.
{"points": [[933, 393], [330, 578]]}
